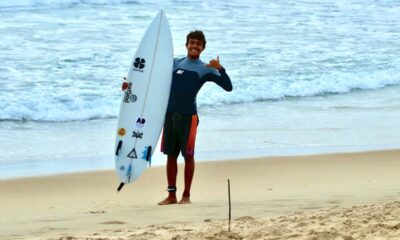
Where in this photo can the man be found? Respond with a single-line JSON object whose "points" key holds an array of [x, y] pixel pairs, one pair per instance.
{"points": [[179, 133]]}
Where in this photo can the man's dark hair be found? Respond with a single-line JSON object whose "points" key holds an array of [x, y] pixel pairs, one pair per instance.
{"points": [[198, 35]]}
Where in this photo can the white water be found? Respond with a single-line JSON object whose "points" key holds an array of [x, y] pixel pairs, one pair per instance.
{"points": [[64, 60], [308, 77]]}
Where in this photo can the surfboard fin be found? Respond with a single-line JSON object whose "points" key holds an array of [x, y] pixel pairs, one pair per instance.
{"points": [[148, 155], [121, 185], [129, 173], [118, 147]]}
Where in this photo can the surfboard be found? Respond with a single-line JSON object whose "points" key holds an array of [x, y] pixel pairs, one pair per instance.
{"points": [[144, 101]]}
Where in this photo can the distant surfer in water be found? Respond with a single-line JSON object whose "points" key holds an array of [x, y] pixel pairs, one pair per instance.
{"points": [[179, 133]]}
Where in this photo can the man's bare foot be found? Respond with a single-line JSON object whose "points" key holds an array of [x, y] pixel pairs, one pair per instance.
{"points": [[185, 200], [168, 200]]}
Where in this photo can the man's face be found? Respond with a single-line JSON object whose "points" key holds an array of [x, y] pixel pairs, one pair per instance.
{"points": [[194, 48]]}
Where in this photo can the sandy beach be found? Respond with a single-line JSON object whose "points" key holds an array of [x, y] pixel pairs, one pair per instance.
{"points": [[332, 196], [309, 137]]}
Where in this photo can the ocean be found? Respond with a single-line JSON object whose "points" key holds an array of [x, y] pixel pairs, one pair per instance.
{"points": [[309, 77]]}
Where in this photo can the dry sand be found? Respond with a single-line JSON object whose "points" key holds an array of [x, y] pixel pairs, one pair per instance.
{"points": [[337, 196]]}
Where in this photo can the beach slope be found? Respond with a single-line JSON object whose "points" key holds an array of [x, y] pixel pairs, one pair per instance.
{"points": [[332, 196]]}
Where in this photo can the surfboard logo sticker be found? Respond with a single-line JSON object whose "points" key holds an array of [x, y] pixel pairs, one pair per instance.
{"points": [[137, 134], [132, 98], [140, 122], [132, 154], [121, 132], [139, 64], [122, 168], [128, 96], [125, 85]]}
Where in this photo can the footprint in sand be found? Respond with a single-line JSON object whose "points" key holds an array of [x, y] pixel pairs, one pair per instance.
{"points": [[113, 222], [96, 212]]}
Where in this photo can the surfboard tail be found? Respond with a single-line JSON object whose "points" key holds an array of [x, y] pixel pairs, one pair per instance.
{"points": [[121, 185]]}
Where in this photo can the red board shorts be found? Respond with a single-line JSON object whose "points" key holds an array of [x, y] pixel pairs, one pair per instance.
{"points": [[179, 134]]}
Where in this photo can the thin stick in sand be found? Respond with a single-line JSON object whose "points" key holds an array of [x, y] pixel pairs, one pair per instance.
{"points": [[229, 199]]}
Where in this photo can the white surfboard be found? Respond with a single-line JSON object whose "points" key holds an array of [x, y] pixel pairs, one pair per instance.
{"points": [[144, 101]]}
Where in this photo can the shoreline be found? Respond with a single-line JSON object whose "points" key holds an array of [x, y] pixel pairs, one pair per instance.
{"points": [[105, 164], [83, 205]]}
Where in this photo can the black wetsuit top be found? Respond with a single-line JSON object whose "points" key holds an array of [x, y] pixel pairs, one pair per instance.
{"points": [[188, 77]]}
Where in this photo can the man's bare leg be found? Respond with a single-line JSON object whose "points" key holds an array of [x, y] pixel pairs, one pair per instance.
{"points": [[172, 171], [189, 172]]}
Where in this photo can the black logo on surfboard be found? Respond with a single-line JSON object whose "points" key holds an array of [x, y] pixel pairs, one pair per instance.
{"points": [[132, 154], [139, 64], [137, 134]]}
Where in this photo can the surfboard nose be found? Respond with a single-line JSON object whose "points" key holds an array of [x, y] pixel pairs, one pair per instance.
{"points": [[160, 15]]}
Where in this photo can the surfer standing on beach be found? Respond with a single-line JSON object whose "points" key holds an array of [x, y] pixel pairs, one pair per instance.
{"points": [[180, 126]]}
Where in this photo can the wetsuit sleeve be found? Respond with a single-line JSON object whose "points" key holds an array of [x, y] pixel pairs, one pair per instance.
{"points": [[221, 80]]}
